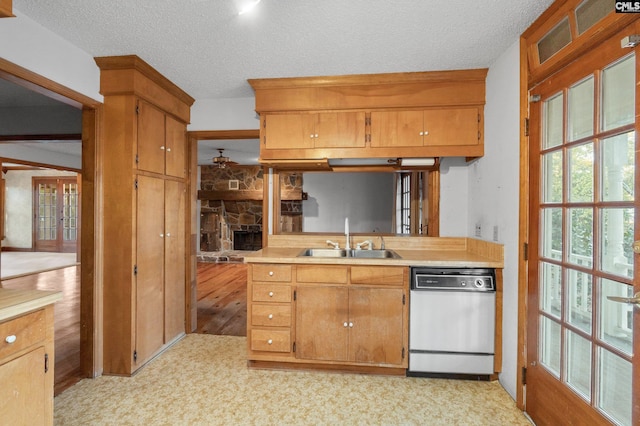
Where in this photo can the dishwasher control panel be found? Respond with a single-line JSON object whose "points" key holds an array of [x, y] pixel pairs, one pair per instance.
{"points": [[453, 279]]}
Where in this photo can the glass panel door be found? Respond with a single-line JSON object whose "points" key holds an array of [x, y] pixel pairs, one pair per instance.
{"points": [[56, 202], [583, 221]]}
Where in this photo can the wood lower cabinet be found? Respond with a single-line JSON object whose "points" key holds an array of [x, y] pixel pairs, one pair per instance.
{"points": [[26, 369], [342, 316]]}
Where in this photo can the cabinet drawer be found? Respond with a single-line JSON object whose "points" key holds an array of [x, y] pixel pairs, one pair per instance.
{"points": [[270, 272], [271, 340], [271, 315], [321, 274], [28, 330], [271, 293], [379, 275]]}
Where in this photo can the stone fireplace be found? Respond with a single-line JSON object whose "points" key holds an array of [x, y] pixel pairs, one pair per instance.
{"points": [[231, 219]]}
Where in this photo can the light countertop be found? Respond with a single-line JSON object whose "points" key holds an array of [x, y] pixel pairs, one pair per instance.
{"points": [[14, 302], [417, 251]]}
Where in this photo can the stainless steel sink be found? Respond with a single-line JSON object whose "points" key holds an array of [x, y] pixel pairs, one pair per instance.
{"points": [[358, 254], [323, 252], [374, 254]]}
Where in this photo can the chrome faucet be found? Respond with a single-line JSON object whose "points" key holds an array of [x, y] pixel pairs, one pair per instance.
{"points": [[346, 232], [381, 243]]}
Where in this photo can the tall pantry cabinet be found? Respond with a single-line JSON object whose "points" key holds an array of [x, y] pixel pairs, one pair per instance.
{"points": [[145, 243]]}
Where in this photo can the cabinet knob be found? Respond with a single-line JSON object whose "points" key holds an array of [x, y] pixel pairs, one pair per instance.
{"points": [[426, 133], [162, 147], [10, 339], [270, 341], [168, 234], [316, 135], [270, 316], [345, 324], [161, 235], [350, 324], [270, 294], [421, 133], [270, 273], [168, 149]]}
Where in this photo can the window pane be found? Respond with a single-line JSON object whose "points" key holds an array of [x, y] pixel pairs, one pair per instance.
{"points": [[618, 94], [550, 345], [580, 299], [554, 40], [616, 324], [579, 364], [618, 167], [580, 110], [591, 11], [581, 173], [615, 386], [551, 289], [551, 232], [581, 237], [616, 251], [553, 113], [552, 177]]}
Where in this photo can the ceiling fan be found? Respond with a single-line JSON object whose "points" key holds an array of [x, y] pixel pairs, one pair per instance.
{"points": [[221, 161]]}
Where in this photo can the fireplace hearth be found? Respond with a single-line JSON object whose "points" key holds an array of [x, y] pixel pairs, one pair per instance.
{"points": [[247, 240]]}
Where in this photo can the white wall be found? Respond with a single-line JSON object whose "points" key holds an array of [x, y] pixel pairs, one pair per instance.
{"points": [[28, 44], [19, 206], [494, 192], [454, 197], [365, 198], [224, 114]]}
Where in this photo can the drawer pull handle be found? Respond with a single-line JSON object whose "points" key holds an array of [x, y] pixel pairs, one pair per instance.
{"points": [[270, 273], [10, 339], [270, 341], [270, 294], [270, 316]]}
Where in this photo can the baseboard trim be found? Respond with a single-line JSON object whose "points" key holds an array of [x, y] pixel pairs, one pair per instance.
{"points": [[16, 249]]}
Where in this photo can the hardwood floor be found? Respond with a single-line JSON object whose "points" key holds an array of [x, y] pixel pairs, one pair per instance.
{"points": [[222, 299], [222, 309], [66, 319]]}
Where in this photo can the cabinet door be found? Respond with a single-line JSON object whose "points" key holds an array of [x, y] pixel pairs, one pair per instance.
{"points": [[174, 261], [151, 140], [376, 325], [340, 130], [321, 315], [288, 131], [149, 291], [396, 128], [456, 126], [23, 391], [175, 147]]}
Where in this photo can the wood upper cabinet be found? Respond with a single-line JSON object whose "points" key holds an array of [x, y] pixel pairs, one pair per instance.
{"points": [[6, 9], [313, 130], [161, 141], [423, 114], [433, 127]]}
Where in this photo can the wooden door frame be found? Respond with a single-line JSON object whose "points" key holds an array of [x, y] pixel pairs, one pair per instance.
{"points": [[91, 240], [192, 232], [528, 79]]}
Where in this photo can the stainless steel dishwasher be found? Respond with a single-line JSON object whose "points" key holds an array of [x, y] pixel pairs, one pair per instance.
{"points": [[452, 314]]}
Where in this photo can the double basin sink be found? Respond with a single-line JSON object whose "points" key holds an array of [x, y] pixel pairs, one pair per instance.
{"points": [[358, 254]]}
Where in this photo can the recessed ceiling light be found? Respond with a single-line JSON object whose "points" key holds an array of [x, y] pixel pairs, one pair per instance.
{"points": [[248, 6]]}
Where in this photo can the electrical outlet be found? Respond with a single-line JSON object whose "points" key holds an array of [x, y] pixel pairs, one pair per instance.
{"points": [[495, 233], [478, 230]]}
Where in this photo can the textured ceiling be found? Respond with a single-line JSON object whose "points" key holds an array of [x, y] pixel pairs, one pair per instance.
{"points": [[209, 51]]}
